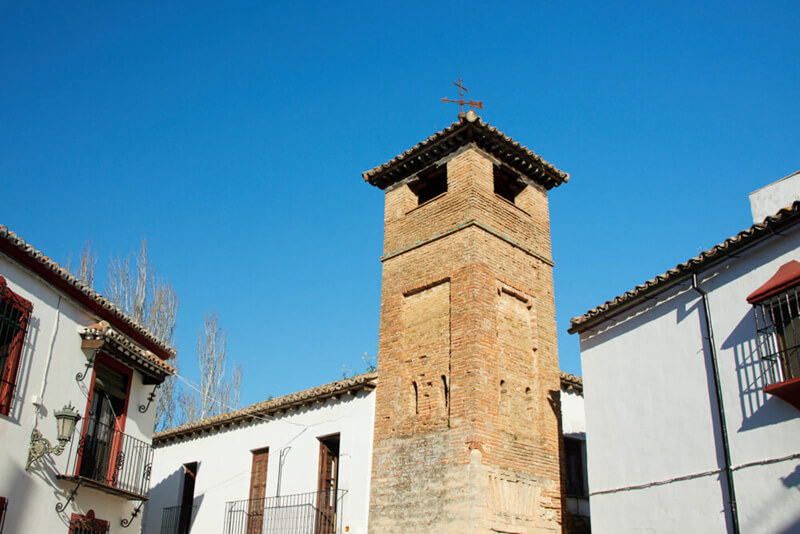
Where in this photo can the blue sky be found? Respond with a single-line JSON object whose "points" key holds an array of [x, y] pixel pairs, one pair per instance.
{"points": [[232, 137]]}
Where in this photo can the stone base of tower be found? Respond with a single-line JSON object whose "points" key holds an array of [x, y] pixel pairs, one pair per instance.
{"points": [[437, 493]]}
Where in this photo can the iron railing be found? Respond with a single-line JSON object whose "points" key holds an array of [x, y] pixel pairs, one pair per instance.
{"points": [[778, 329], [177, 519], [112, 458], [302, 513]]}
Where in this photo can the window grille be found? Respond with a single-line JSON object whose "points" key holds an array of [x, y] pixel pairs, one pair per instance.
{"points": [[87, 524], [14, 314], [778, 331]]}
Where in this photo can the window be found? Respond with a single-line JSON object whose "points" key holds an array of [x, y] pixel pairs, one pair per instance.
{"points": [[187, 498], [776, 306], [87, 524], [102, 438], [778, 323], [575, 468], [14, 314], [258, 491], [430, 185], [328, 484], [506, 185]]}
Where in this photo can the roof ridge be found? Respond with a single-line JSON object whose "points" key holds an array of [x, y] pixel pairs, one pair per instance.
{"points": [[30, 251], [785, 215]]}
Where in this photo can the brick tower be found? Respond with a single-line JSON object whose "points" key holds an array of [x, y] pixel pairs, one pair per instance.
{"points": [[466, 415]]}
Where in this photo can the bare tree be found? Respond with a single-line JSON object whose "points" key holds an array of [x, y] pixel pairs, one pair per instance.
{"points": [[220, 383], [134, 287], [87, 262]]}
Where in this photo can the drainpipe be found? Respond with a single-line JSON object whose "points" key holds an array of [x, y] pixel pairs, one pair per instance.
{"points": [[720, 406], [38, 401]]}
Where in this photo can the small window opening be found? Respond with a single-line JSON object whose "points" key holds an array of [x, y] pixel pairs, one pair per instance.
{"points": [[507, 185], [430, 185], [575, 476], [187, 498], [446, 392], [416, 398]]}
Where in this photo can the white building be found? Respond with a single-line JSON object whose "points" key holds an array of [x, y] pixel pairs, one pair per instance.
{"points": [[692, 390], [293, 464], [298, 463], [64, 346]]}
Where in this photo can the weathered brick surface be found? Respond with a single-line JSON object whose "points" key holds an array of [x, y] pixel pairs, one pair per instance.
{"points": [[466, 431]]}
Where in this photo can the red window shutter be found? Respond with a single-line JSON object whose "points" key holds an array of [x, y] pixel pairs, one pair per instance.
{"points": [[258, 491]]}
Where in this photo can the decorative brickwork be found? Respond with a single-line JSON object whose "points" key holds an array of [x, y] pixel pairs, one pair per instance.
{"points": [[466, 415]]}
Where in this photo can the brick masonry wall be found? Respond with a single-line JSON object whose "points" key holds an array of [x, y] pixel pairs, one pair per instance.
{"points": [[466, 424]]}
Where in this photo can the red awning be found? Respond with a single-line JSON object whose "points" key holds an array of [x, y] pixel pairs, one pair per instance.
{"points": [[787, 277]]}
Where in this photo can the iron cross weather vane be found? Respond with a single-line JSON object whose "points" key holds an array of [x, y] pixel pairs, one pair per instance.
{"points": [[461, 102]]}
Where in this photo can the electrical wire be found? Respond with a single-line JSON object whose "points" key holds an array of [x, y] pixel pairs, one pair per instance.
{"points": [[696, 475], [231, 408]]}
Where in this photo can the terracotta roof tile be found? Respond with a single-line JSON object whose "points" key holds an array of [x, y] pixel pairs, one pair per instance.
{"points": [[54, 268], [103, 331], [571, 383], [469, 128], [268, 407]]}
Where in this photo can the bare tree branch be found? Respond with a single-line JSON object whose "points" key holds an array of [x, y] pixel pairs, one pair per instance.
{"points": [[153, 303], [86, 264], [220, 385]]}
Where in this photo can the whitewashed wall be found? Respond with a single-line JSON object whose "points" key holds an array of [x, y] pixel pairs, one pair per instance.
{"points": [[32, 496], [573, 417], [225, 460], [650, 416], [775, 196]]}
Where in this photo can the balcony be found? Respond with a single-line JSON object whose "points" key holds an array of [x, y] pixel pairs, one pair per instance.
{"points": [[109, 460], [303, 513], [177, 519]]}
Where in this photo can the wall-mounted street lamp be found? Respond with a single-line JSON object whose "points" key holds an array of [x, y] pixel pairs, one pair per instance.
{"points": [[66, 418]]}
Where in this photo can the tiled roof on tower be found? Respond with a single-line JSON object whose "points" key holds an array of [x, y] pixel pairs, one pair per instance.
{"points": [[469, 129]]}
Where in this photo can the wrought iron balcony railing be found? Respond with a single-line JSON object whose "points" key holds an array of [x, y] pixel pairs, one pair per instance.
{"points": [[302, 513], [110, 460], [177, 519]]}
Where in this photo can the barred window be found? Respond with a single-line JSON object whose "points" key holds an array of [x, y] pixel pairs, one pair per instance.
{"points": [[776, 305], [14, 314], [87, 524], [778, 325]]}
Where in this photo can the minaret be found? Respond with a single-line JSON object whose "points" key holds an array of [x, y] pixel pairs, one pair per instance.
{"points": [[466, 416]]}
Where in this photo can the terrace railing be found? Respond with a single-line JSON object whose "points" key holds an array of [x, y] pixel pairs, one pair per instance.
{"points": [[177, 519], [302, 513], [111, 460]]}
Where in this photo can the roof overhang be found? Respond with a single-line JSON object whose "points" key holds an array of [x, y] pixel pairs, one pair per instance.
{"points": [[468, 130], [784, 219], [787, 276], [36, 262], [102, 337]]}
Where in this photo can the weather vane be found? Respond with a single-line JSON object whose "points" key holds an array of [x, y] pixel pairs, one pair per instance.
{"points": [[461, 102]]}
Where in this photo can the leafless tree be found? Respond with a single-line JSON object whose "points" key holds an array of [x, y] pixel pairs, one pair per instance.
{"points": [[152, 302], [219, 387], [87, 262]]}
